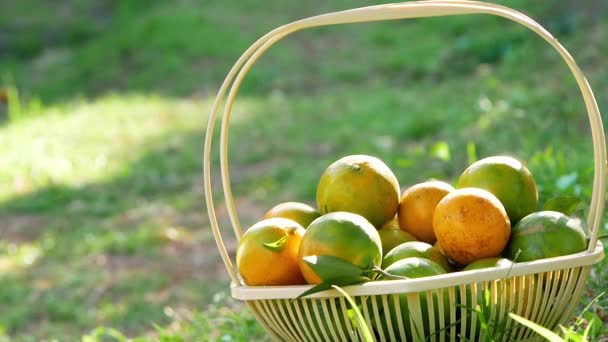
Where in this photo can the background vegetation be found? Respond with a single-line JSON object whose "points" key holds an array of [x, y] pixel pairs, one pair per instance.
{"points": [[103, 226]]}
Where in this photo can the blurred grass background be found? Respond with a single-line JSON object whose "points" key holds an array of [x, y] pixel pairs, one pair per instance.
{"points": [[103, 108]]}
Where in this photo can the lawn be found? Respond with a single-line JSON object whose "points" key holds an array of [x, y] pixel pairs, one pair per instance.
{"points": [[104, 229]]}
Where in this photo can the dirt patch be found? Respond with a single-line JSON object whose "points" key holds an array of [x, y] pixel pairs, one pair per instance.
{"points": [[22, 228]]}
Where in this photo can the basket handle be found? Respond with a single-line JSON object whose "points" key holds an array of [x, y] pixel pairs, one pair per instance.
{"points": [[415, 9]]}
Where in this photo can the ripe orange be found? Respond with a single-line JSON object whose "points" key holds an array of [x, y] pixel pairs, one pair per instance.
{"points": [[416, 249], [362, 185], [417, 207], [471, 224], [391, 236], [545, 234], [507, 179], [302, 213], [344, 235], [267, 254]]}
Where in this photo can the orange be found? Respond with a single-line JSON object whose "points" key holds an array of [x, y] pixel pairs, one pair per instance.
{"points": [[438, 246], [391, 236], [416, 249], [507, 179], [488, 263], [471, 224], [417, 206], [362, 185], [545, 234], [267, 253], [344, 235], [302, 213], [413, 267]]}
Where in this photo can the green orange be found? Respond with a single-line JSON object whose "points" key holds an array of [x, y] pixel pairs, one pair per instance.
{"points": [[416, 249], [391, 236], [267, 254], [359, 184], [414, 267], [545, 234], [488, 263], [302, 213], [507, 179], [344, 235]]}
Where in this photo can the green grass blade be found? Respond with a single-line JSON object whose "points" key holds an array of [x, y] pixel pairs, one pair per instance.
{"points": [[544, 332], [367, 335], [585, 336]]}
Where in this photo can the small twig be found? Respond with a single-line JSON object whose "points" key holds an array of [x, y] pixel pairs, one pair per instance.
{"points": [[386, 274]]}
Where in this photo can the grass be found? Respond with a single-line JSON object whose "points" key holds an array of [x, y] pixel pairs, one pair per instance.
{"points": [[101, 198]]}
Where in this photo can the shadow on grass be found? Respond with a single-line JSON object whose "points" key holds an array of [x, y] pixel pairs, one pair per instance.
{"points": [[118, 252]]}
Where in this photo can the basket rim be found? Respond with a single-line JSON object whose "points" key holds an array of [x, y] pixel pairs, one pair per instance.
{"points": [[381, 287]]}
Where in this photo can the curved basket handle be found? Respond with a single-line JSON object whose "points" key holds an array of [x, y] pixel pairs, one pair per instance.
{"points": [[416, 9]]}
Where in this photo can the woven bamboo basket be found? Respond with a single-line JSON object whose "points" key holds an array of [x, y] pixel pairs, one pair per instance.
{"points": [[433, 308]]}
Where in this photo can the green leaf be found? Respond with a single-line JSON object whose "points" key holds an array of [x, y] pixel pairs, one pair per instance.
{"points": [[326, 285], [482, 317], [594, 324], [278, 245], [367, 335], [329, 267], [566, 181], [585, 336], [563, 204], [544, 332]]}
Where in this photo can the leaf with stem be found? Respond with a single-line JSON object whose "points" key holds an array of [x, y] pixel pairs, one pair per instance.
{"points": [[328, 267]]}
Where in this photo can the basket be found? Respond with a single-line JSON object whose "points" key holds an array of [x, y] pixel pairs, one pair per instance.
{"points": [[432, 308]]}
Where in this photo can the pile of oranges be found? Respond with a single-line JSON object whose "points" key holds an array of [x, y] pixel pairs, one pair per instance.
{"points": [[489, 218]]}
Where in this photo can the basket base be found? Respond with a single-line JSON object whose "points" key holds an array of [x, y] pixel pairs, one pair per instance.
{"points": [[446, 314]]}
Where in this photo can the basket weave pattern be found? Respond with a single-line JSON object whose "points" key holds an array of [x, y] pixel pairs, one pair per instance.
{"points": [[544, 291]]}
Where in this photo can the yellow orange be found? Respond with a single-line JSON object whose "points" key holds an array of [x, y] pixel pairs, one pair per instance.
{"points": [[417, 207], [267, 253], [302, 213], [359, 184], [471, 224]]}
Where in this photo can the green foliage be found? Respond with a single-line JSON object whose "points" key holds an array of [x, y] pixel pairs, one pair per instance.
{"points": [[563, 204]]}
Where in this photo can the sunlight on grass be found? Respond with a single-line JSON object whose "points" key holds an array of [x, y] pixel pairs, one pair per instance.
{"points": [[90, 141], [15, 256], [84, 141]]}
